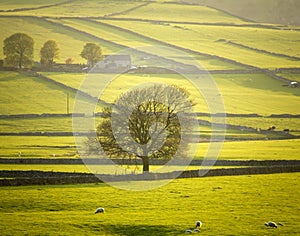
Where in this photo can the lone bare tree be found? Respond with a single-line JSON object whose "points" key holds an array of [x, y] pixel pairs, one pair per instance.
{"points": [[18, 50], [146, 123]]}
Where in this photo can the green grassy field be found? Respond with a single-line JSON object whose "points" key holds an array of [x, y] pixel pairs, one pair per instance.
{"points": [[41, 124], [107, 32], [293, 124], [256, 93], [70, 43], [225, 205], [293, 77], [23, 94], [253, 94], [106, 169], [278, 12], [17, 4], [177, 12], [261, 150], [233, 205], [37, 146], [132, 40], [79, 9], [60, 147], [210, 40], [41, 167], [277, 41]]}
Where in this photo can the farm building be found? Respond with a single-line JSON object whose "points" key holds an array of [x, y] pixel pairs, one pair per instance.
{"points": [[113, 62]]}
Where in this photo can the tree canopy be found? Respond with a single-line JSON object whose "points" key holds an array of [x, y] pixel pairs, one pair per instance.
{"points": [[92, 53], [144, 123], [18, 50], [49, 52]]}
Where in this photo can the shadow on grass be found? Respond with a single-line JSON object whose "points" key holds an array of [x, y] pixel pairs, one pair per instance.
{"points": [[140, 230]]}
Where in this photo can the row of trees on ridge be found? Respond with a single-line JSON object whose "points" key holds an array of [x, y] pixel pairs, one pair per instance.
{"points": [[18, 50]]}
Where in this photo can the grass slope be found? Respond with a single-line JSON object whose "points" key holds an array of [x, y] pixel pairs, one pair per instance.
{"points": [[125, 38], [70, 43], [210, 40], [290, 76], [225, 205], [22, 94], [178, 12], [255, 93], [19, 4], [81, 9], [271, 11], [37, 146], [43, 146], [293, 124]]}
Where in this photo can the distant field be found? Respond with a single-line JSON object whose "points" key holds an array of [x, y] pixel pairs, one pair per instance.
{"points": [[17, 4], [293, 124], [70, 43], [132, 40], [275, 41], [271, 11], [200, 38], [37, 146], [106, 169], [208, 39], [107, 32], [177, 12], [255, 93], [170, 210], [80, 9], [43, 146], [22, 94], [261, 150], [42, 124], [38, 167], [293, 77]]}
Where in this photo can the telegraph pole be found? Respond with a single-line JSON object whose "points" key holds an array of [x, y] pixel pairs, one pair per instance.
{"points": [[68, 104]]}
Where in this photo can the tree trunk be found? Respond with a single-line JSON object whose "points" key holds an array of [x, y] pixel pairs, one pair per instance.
{"points": [[20, 61], [145, 164]]}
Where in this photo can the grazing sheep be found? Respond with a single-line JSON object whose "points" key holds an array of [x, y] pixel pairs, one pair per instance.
{"points": [[196, 230], [198, 224], [99, 210], [271, 224], [188, 231]]}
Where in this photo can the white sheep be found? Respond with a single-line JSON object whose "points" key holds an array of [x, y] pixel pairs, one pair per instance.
{"points": [[271, 224], [99, 210], [198, 224], [188, 231], [196, 230]]}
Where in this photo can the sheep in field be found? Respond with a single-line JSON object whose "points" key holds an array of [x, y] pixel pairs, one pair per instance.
{"points": [[271, 224], [99, 210], [198, 224]]}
